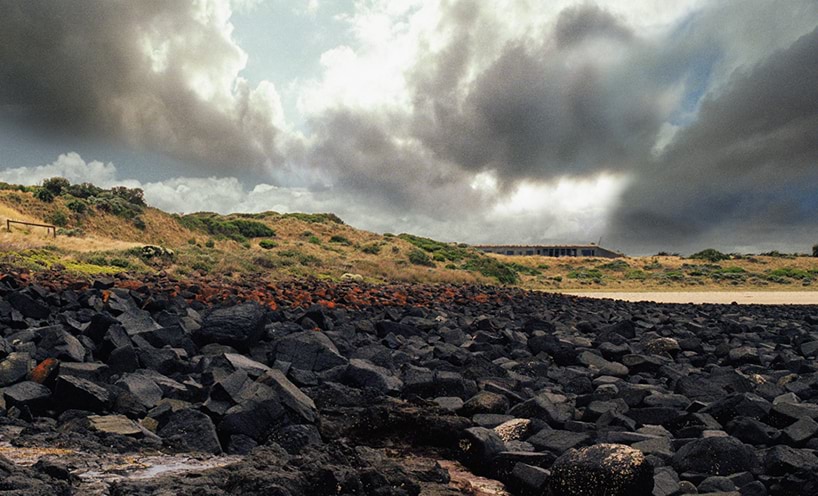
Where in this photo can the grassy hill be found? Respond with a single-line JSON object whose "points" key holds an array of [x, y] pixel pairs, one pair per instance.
{"points": [[110, 231], [105, 231]]}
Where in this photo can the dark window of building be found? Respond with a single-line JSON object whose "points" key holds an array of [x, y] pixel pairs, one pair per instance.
{"points": [[587, 253], [510, 252], [529, 252]]}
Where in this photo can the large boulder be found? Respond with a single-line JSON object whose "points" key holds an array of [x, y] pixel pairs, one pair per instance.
{"points": [[56, 343], [191, 430], [364, 374], [239, 326], [80, 394], [309, 350], [15, 368], [715, 456], [601, 470], [27, 394], [298, 403]]}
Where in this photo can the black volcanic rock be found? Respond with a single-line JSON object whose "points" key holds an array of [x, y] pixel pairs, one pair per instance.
{"points": [[320, 398], [309, 350], [239, 326], [601, 470], [191, 430], [715, 456], [72, 392]]}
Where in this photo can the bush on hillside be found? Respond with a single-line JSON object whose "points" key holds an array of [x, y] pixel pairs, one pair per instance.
{"points": [[77, 205], [83, 190], [711, 255], [417, 257], [56, 185], [315, 218], [58, 218], [44, 195], [236, 229], [340, 240]]}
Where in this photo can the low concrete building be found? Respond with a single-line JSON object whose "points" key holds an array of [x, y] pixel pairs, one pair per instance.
{"points": [[589, 250]]}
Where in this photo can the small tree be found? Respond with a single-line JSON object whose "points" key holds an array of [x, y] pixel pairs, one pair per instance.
{"points": [[56, 185], [44, 195]]}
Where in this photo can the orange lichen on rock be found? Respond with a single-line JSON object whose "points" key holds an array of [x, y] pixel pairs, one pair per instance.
{"points": [[46, 371]]}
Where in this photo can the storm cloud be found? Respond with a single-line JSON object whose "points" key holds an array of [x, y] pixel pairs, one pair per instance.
{"points": [[654, 126], [748, 165], [155, 74]]}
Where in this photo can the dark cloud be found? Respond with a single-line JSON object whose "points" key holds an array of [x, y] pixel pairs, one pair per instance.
{"points": [[579, 23], [745, 171], [364, 158], [552, 106], [86, 66], [581, 95]]}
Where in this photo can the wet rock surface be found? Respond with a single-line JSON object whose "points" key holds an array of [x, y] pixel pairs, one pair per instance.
{"points": [[314, 388]]}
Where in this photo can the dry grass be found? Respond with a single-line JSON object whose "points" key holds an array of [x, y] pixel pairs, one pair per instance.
{"points": [[668, 273], [328, 250]]}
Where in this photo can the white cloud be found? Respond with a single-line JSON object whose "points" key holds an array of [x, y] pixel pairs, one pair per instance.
{"points": [[566, 209], [69, 165]]}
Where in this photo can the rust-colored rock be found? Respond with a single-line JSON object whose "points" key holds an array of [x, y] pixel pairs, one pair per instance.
{"points": [[46, 371]]}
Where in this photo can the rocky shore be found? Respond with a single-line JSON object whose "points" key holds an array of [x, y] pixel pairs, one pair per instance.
{"points": [[320, 389]]}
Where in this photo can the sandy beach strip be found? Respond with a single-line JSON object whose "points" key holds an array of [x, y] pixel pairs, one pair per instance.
{"points": [[723, 297]]}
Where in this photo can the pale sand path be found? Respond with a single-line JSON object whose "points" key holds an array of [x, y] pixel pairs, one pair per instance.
{"points": [[725, 297]]}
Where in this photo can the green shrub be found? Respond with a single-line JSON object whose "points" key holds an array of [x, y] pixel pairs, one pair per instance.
{"points": [[210, 243], [58, 218], [446, 251], [221, 227], [191, 241], [523, 269], [792, 273], [583, 273], [98, 260], [711, 255], [673, 275], [253, 229], [44, 195], [120, 262], [372, 249], [418, 257], [314, 240], [636, 274], [134, 196], [315, 218], [76, 205], [71, 233], [267, 244], [56, 185], [83, 190], [616, 265], [340, 240], [491, 267]]}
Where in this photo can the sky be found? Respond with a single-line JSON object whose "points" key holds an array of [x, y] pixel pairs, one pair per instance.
{"points": [[644, 124]]}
